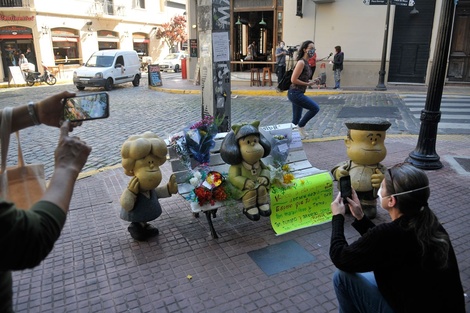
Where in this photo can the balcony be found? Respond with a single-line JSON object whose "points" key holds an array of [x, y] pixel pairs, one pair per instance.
{"points": [[100, 8], [14, 4]]}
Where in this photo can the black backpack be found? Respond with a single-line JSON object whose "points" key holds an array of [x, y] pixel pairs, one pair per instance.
{"points": [[285, 82]]}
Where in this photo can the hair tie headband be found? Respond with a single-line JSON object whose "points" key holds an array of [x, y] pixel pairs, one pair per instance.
{"points": [[409, 191]]}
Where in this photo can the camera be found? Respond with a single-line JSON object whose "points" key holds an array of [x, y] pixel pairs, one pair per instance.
{"points": [[291, 50]]}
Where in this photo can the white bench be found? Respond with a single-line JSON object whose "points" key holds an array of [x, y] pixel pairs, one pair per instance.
{"points": [[297, 161]]}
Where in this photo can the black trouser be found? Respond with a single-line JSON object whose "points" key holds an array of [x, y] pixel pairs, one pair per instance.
{"points": [[280, 71]]}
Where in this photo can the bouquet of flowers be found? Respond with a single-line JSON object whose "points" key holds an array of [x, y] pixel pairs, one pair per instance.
{"points": [[178, 143], [209, 187], [200, 138], [282, 176], [280, 150]]}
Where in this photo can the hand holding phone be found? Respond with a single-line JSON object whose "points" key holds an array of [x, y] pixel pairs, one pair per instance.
{"points": [[345, 188], [86, 107]]}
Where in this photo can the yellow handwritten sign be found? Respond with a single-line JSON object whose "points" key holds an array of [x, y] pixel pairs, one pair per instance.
{"points": [[305, 204]]}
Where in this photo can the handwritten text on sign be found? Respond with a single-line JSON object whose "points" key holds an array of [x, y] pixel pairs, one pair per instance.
{"points": [[303, 205]]}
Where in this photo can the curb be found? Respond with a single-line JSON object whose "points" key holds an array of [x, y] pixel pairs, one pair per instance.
{"points": [[272, 93]]}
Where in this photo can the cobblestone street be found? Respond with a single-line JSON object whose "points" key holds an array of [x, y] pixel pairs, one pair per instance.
{"points": [[140, 109]]}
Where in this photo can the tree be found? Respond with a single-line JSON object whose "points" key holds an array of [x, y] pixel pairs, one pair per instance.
{"points": [[173, 32]]}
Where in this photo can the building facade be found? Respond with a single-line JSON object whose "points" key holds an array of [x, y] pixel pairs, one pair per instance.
{"points": [[57, 32], [355, 25]]}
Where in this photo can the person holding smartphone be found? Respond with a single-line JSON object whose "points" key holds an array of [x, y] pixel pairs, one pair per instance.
{"points": [[27, 236], [406, 265]]}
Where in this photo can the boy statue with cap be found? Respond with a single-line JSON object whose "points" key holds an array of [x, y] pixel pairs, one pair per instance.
{"points": [[366, 149]]}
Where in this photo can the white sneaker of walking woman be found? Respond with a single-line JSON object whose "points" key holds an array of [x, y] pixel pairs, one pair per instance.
{"points": [[303, 133]]}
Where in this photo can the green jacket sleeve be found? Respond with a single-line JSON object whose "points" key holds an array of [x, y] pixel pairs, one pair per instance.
{"points": [[27, 237]]}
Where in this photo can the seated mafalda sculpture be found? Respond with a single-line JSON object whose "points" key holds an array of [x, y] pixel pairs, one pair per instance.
{"points": [[142, 156], [365, 146], [243, 148]]}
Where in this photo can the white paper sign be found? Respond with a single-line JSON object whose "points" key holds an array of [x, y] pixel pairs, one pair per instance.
{"points": [[220, 44]]}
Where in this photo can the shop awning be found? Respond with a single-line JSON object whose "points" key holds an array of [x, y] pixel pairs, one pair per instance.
{"points": [[68, 39], [108, 39], [19, 36], [141, 40]]}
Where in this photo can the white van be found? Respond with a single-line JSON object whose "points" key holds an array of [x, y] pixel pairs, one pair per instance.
{"points": [[106, 68]]}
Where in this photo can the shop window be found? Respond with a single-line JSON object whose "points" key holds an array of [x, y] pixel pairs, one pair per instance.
{"points": [[107, 40], [139, 4], [141, 43], [65, 45]]}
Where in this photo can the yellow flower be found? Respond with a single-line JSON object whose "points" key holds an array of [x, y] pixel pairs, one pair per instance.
{"points": [[286, 168], [288, 178]]}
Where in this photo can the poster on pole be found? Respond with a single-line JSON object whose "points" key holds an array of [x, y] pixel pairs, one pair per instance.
{"points": [[221, 47], [193, 48]]}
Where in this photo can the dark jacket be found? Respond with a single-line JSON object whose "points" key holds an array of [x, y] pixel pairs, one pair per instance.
{"points": [[338, 61], [26, 238], [392, 253]]}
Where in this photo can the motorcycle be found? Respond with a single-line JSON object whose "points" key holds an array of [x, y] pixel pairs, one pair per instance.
{"points": [[33, 77]]}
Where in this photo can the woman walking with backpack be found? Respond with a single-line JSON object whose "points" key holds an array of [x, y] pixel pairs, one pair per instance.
{"points": [[300, 82]]}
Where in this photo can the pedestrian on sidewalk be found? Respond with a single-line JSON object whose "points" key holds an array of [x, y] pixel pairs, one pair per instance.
{"points": [[337, 66], [27, 236], [300, 82], [312, 62], [280, 61], [406, 265]]}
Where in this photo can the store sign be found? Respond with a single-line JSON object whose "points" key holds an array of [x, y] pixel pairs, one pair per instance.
{"points": [[193, 48], [14, 30], [13, 18]]}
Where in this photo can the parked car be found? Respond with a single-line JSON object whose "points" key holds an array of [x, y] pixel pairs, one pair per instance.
{"points": [[106, 68], [172, 62]]}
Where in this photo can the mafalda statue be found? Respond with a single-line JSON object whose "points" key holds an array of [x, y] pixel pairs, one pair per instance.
{"points": [[243, 148], [142, 156], [366, 149]]}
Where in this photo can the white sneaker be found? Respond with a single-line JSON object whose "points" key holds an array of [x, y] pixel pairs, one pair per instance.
{"points": [[293, 126], [303, 133]]}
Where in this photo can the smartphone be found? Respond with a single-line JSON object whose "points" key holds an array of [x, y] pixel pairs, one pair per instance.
{"points": [[86, 107], [345, 187]]}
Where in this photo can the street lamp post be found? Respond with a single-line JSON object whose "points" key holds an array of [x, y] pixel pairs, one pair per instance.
{"points": [[424, 156], [381, 85]]}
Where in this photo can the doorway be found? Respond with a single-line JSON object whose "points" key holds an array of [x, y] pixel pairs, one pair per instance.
{"points": [[254, 26], [409, 54], [11, 50], [459, 59]]}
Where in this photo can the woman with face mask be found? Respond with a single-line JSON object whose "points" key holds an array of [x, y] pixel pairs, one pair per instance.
{"points": [[300, 82], [407, 265]]}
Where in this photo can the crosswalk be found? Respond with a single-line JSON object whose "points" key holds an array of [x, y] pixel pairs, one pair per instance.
{"points": [[455, 110]]}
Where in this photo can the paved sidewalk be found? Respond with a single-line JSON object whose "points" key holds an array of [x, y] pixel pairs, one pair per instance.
{"points": [[97, 267], [241, 86]]}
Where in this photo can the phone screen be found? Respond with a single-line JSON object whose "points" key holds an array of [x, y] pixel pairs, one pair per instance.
{"points": [[87, 107], [345, 187]]}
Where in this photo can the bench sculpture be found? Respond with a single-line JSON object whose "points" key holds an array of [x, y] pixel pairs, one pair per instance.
{"points": [[286, 161]]}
